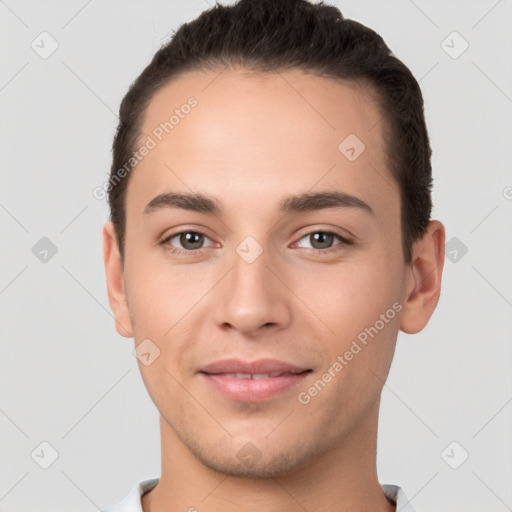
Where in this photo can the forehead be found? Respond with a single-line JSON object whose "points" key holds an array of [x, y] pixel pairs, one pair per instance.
{"points": [[263, 133]]}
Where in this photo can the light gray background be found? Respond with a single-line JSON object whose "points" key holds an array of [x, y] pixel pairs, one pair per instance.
{"points": [[69, 379]]}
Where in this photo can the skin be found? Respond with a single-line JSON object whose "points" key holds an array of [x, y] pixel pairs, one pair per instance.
{"points": [[252, 140]]}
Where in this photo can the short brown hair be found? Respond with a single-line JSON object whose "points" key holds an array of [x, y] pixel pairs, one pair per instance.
{"points": [[270, 35]]}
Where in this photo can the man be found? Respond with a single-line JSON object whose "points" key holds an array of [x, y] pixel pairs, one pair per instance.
{"points": [[270, 235]]}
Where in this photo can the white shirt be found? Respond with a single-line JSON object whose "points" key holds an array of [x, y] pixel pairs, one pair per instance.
{"points": [[132, 501]]}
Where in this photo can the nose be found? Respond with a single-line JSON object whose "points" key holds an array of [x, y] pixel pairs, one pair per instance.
{"points": [[252, 297]]}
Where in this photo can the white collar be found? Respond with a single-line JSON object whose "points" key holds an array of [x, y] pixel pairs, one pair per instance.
{"points": [[132, 501]]}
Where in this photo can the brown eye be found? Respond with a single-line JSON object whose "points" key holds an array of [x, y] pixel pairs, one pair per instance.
{"points": [[322, 240], [191, 240], [185, 241]]}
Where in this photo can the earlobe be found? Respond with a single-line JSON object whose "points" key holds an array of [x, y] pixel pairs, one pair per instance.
{"points": [[115, 281], [423, 286]]}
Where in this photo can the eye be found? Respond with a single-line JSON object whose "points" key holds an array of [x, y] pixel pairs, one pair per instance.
{"points": [[190, 241], [321, 241]]}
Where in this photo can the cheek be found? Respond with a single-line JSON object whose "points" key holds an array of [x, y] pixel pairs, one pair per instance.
{"points": [[161, 293], [167, 301], [347, 297], [350, 300]]}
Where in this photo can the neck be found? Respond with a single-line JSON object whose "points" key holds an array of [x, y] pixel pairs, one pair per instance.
{"points": [[342, 480]]}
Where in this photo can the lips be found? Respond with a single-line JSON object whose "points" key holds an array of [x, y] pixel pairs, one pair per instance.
{"points": [[255, 375], [255, 381], [262, 368]]}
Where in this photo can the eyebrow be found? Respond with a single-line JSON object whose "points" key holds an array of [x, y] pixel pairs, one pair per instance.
{"points": [[293, 204]]}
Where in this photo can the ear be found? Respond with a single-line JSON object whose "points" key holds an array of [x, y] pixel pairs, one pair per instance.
{"points": [[115, 281], [423, 284]]}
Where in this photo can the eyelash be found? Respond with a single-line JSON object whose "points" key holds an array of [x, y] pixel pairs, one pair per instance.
{"points": [[200, 251]]}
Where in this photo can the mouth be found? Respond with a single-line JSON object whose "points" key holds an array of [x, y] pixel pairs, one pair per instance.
{"points": [[267, 367], [253, 381], [256, 376]]}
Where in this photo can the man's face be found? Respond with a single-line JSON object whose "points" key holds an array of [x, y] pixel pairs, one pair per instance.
{"points": [[253, 283]]}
